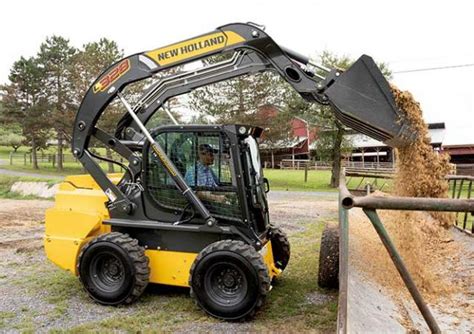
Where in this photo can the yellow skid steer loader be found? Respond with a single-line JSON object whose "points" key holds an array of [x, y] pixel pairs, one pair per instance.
{"points": [[173, 218]]}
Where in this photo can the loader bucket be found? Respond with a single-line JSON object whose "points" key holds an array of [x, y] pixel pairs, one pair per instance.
{"points": [[362, 99]]}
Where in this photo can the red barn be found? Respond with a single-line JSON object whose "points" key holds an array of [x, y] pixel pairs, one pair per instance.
{"points": [[297, 146]]}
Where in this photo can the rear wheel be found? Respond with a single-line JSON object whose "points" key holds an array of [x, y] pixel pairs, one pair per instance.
{"points": [[113, 269], [229, 280], [328, 272], [280, 248]]}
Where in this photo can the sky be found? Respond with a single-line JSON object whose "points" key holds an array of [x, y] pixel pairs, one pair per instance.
{"points": [[407, 35]]}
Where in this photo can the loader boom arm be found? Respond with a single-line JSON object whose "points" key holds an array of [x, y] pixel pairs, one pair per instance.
{"points": [[252, 51]]}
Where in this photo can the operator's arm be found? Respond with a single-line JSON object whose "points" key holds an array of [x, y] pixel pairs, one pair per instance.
{"points": [[210, 196]]}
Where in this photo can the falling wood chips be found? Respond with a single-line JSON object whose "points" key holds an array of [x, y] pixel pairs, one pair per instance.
{"points": [[425, 244], [421, 171]]}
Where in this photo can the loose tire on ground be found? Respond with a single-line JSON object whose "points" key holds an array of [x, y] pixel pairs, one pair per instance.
{"points": [[113, 269], [229, 280], [280, 247], [329, 258]]}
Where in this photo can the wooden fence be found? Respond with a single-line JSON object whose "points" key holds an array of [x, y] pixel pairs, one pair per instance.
{"points": [[349, 165]]}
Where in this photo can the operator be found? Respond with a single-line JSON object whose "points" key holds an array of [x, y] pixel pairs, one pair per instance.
{"points": [[204, 176]]}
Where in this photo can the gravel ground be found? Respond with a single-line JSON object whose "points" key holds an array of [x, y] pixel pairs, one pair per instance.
{"points": [[287, 208], [36, 296]]}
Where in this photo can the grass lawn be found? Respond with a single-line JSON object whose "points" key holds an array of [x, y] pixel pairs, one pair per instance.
{"points": [[18, 162], [293, 180]]}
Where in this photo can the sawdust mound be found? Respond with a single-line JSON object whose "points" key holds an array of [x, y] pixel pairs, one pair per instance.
{"points": [[421, 171]]}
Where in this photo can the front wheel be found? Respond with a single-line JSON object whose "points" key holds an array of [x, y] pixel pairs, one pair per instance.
{"points": [[229, 280], [113, 269]]}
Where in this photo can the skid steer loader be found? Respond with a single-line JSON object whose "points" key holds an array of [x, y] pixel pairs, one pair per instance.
{"points": [[159, 222]]}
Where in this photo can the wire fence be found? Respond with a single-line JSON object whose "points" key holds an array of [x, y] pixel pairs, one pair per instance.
{"points": [[51, 160]]}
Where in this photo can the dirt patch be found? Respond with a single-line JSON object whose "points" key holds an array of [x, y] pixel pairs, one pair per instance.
{"points": [[21, 223], [318, 298], [287, 209]]}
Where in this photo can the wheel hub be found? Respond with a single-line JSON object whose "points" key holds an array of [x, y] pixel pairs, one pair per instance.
{"points": [[112, 268], [227, 284]]}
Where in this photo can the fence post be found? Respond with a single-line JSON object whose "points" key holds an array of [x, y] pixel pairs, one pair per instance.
{"points": [[54, 159], [306, 173], [11, 158]]}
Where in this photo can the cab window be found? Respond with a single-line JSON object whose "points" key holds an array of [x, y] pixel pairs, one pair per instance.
{"points": [[204, 161]]}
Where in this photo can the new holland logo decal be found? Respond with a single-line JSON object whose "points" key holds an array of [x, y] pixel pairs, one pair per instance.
{"points": [[194, 47], [113, 75]]}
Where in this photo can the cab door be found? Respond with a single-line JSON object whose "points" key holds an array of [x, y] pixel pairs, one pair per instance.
{"points": [[163, 200]]}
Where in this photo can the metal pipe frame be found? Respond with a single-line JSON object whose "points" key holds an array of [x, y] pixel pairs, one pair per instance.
{"points": [[402, 270], [369, 204]]}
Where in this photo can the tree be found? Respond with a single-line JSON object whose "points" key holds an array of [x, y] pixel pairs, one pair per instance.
{"points": [[88, 63], [237, 100], [55, 56], [331, 142], [11, 135], [24, 103], [250, 99]]}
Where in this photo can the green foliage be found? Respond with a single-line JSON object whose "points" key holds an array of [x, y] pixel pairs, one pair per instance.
{"points": [[45, 92], [55, 57], [24, 102], [11, 136], [89, 62], [250, 99], [237, 100]]}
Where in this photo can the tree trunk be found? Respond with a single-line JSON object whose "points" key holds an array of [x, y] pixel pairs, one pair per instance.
{"points": [[108, 153], [336, 157], [60, 151], [33, 154]]}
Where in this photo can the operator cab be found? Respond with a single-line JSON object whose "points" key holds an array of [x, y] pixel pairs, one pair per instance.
{"points": [[220, 163]]}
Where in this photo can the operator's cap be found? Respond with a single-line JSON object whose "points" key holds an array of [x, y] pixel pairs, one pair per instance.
{"points": [[206, 148]]}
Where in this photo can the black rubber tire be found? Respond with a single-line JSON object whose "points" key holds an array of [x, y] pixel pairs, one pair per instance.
{"points": [[280, 248], [113, 269], [229, 280], [328, 273]]}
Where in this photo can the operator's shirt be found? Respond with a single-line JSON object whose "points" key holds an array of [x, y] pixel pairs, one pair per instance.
{"points": [[204, 176]]}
